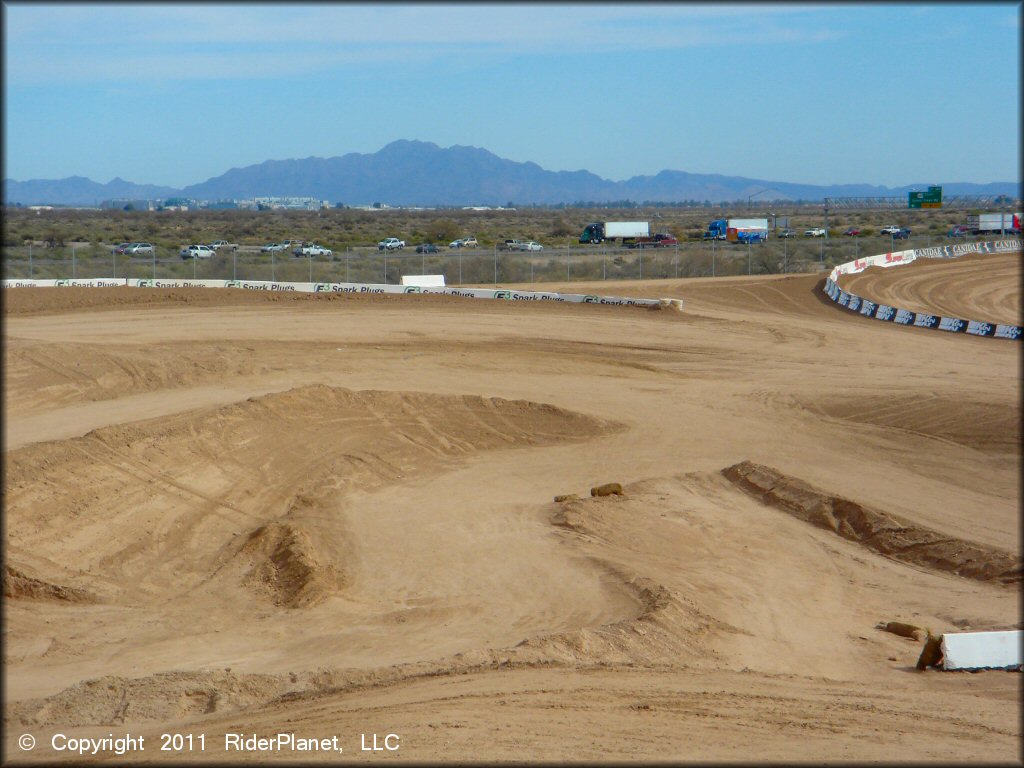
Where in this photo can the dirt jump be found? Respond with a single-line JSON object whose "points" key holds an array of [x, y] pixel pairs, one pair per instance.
{"points": [[500, 530]]}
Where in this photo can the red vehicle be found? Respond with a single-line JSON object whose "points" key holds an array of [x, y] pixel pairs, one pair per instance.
{"points": [[852, 232], [659, 240]]}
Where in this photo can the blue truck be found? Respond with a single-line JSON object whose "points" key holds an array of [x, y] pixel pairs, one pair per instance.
{"points": [[738, 230]]}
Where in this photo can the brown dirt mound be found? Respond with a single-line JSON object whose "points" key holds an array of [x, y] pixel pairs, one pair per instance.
{"points": [[878, 531], [288, 566], [18, 584], [113, 700], [992, 427]]}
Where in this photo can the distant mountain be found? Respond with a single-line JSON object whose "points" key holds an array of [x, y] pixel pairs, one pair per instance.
{"points": [[417, 173], [78, 190]]}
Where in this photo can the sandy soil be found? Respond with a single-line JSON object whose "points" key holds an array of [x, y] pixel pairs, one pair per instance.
{"points": [[231, 512], [986, 287]]}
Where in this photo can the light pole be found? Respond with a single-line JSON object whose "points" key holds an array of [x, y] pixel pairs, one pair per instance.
{"points": [[234, 265], [74, 272], [273, 267], [751, 197], [748, 257]]}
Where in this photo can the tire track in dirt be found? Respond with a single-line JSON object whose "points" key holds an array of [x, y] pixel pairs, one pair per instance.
{"points": [[981, 287]]}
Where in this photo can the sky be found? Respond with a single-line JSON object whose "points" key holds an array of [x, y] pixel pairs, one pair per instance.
{"points": [[175, 94]]}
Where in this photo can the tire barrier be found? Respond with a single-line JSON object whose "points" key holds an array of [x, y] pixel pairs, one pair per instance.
{"points": [[367, 288], [900, 316]]}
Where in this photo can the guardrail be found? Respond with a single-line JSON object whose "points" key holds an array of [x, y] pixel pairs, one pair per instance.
{"points": [[900, 316]]}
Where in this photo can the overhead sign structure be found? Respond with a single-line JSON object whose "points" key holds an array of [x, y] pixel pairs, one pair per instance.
{"points": [[932, 198]]}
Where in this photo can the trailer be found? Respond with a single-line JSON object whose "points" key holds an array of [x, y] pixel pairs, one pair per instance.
{"points": [[627, 231], [991, 223], [738, 230]]}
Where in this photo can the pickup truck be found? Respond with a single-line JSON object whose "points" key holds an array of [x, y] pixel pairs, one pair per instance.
{"points": [[391, 244], [511, 245], [814, 232], [658, 240], [312, 249], [219, 244]]}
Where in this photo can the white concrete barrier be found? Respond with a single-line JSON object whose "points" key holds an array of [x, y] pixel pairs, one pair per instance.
{"points": [[432, 281], [982, 650], [415, 287]]}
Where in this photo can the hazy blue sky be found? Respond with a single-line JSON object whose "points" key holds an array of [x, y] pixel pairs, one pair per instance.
{"points": [[178, 93]]}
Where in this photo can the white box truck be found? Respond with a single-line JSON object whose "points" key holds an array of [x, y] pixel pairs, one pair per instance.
{"points": [[626, 231], [993, 223]]}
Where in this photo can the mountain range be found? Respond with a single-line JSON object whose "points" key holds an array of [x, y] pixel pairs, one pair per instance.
{"points": [[418, 173]]}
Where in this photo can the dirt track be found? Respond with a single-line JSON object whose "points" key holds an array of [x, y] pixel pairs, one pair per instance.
{"points": [[232, 511]]}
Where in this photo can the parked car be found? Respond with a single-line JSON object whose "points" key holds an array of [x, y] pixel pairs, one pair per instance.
{"points": [[197, 252], [426, 248], [510, 245], [787, 232], [312, 249], [136, 249], [852, 232], [891, 229], [273, 248], [958, 231], [218, 244], [120, 248], [470, 242], [814, 232], [391, 244], [902, 234], [530, 245], [455, 243]]}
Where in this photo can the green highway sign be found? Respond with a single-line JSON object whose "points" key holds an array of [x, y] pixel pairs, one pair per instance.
{"points": [[932, 198]]}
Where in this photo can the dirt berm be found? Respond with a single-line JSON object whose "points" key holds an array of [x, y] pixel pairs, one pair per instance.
{"points": [[876, 530]]}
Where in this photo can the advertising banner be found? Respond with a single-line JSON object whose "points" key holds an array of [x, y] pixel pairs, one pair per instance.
{"points": [[100, 282], [885, 312], [920, 319], [976, 328], [174, 283], [903, 317]]}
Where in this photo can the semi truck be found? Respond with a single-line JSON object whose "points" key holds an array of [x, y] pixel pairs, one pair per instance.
{"points": [[627, 231], [990, 223], [738, 230]]}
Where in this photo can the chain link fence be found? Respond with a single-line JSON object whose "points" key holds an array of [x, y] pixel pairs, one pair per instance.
{"points": [[568, 263]]}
